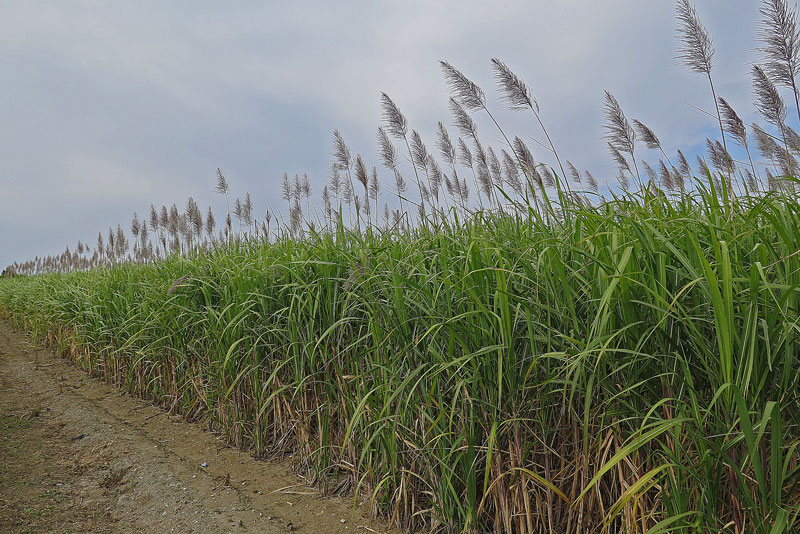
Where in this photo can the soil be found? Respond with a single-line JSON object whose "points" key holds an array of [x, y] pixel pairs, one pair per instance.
{"points": [[77, 455]]}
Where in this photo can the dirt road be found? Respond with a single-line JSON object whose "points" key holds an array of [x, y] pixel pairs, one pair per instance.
{"points": [[80, 456]]}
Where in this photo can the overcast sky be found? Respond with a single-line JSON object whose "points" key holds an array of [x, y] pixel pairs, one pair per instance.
{"points": [[108, 107]]}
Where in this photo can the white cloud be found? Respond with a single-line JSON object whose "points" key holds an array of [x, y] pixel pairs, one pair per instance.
{"points": [[91, 178], [154, 93]]}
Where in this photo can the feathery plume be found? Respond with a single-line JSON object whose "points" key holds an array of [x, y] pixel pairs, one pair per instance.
{"points": [[765, 143], [573, 172], [484, 179], [514, 91], [335, 179], [647, 135], [374, 185], [768, 101], [153, 218], [462, 121], [386, 149], [720, 159], [142, 234], [247, 210], [419, 153], [697, 51], [445, 145], [176, 284], [464, 154], [297, 187], [547, 176], [683, 165], [222, 183], [480, 154], [361, 172], [399, 182], [464, 190], [751, 181], [295, 216], [466, 92], [620, 134], [435, 176], [164, 218], [347, 191], [449, 186], [622, 163], [237, 210], [191, 206], [425, 193], [677, 180], [197, 222], [702, 166], [781, 37], [650, 172], [494, 166], [511, 173], [194, 215], [524, 155], [211, 223], [122, 241], [326, 202], [733, 123], [286, 188], [394, 120], [173, 218], [622, 179], [518, 97], [590, 179], [341, 152], [135, 226], [111, 242], [788, 165], [665, 176], [792, 138], [421, 206], [772, 182]]}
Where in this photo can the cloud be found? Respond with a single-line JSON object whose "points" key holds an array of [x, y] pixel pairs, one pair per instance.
{"points": [[124, 104]]}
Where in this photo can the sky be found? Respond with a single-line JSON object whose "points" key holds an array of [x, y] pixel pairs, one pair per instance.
{"points": [[108, 107]]}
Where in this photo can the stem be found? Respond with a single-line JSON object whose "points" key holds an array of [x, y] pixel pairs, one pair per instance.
{"points": [[796, 96], [719, 115], [752, 166], [552, 146], [665, 155], [636, 168], [414, 166], [721, 131], [477, 187], [349, 209]]}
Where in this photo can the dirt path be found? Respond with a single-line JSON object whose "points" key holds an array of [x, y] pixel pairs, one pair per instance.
{"points": [[79, 456]]}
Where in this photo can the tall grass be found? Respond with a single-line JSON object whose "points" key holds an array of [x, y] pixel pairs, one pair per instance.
{"points": [[544, 357], [632, 368]]}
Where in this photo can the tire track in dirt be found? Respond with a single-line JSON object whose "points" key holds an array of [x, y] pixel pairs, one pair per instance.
{"points": [[77, 455]]}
